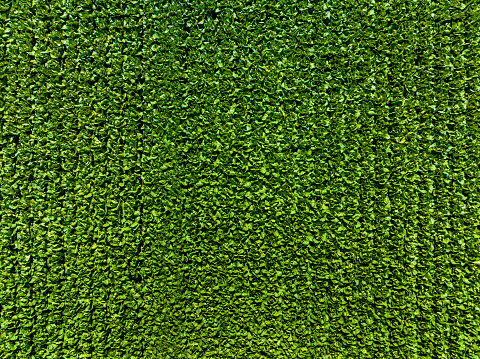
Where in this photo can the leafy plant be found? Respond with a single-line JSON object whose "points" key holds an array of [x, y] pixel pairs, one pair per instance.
{"points": [[239, 179]]}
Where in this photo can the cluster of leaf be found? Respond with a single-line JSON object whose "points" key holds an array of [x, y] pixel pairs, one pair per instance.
{"points": [[239, 179]]}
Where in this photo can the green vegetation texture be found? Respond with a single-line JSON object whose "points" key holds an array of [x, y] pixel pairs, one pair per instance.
{"points": [[239, 179]]}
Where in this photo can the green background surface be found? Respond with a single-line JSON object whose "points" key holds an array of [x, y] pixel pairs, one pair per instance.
{"points": [[239, 179]]}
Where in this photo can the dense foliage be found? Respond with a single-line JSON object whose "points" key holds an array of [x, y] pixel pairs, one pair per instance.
{"points": [[239, 179]]}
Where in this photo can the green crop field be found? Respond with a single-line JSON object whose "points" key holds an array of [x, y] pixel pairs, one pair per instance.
{"points": [[239, 179]]}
